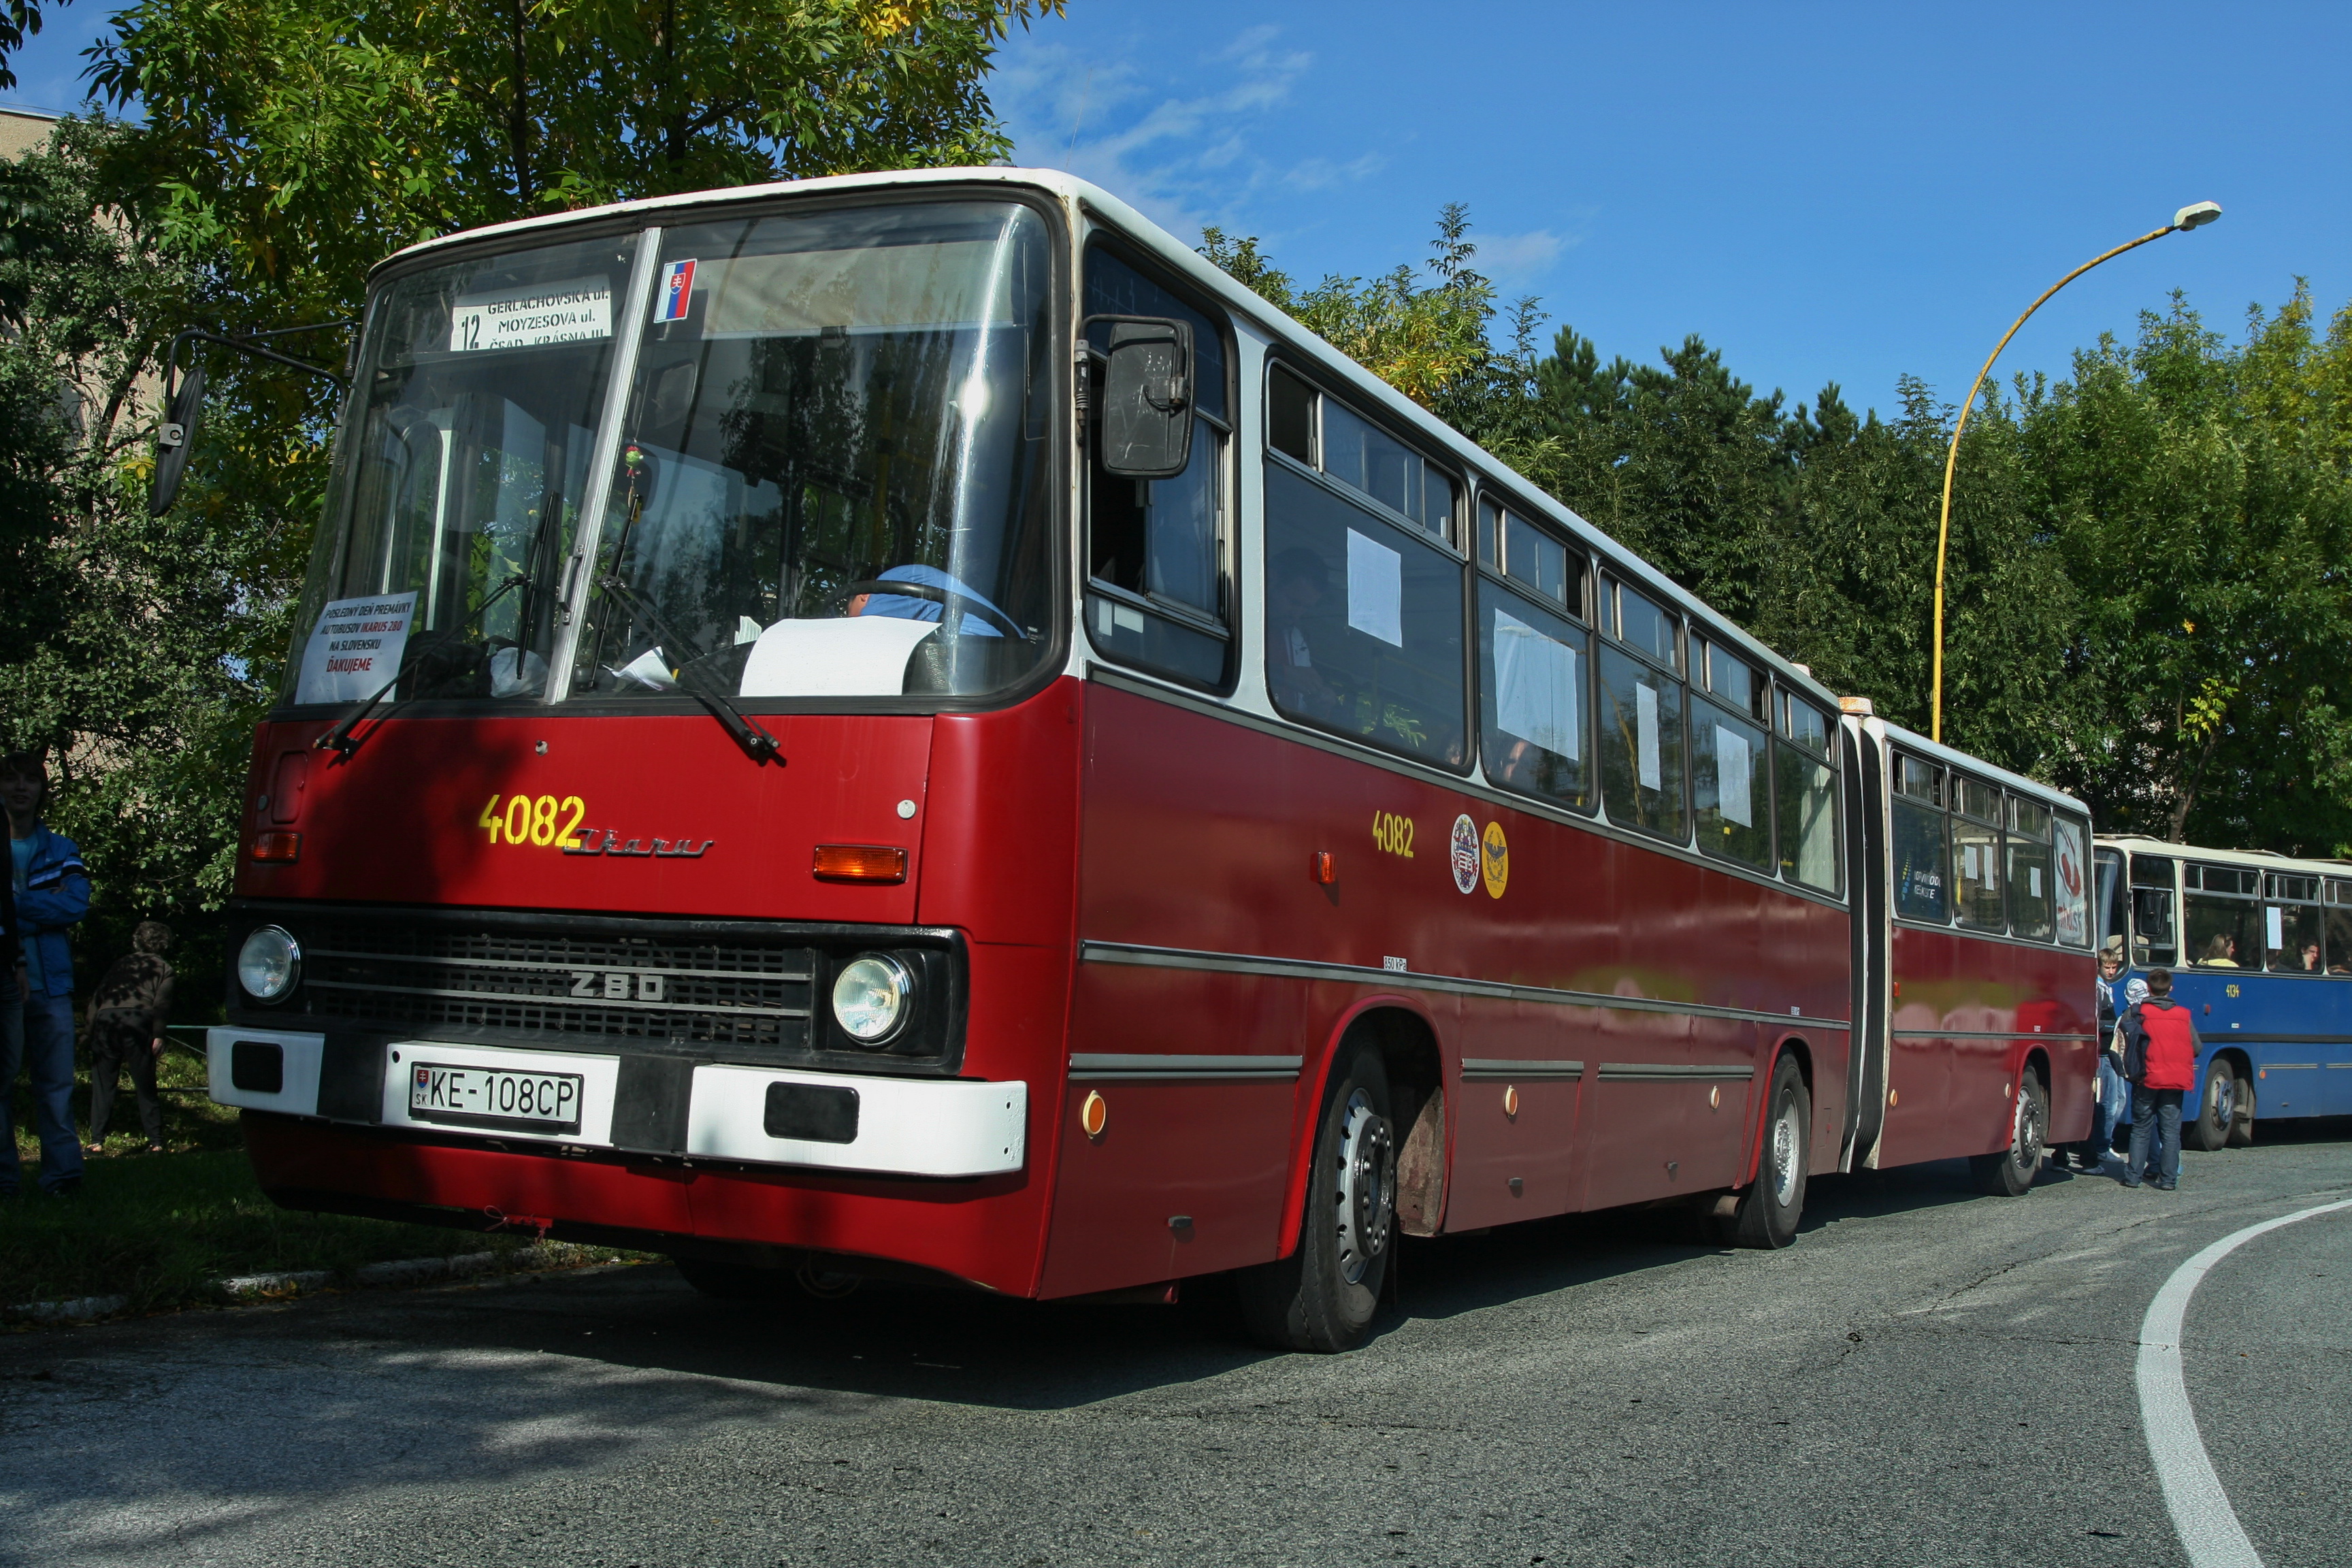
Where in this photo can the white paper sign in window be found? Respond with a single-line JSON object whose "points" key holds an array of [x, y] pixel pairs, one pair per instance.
{"points": [[2277, 924], [1645, 736], [1968, 862], [1375, 589], [1731, 792], [354, 650], [2033, 881], [1534, 687], [565, 313]]}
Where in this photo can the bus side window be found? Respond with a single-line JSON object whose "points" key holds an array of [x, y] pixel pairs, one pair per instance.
{"points": [[1922, 890], [1641, 778], [2156, 941], [2223, 911], [2027, 863], [2291, 922], [1363, 607], [1534, 670], [1155, 548], [1976, 854], [1805, 794], [2338, 952]]}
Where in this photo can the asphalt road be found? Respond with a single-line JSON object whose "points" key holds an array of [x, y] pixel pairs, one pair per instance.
{"points": [[1927, 1378]]}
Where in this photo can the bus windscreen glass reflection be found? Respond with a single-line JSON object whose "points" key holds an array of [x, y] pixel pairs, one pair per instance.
{"points": [[480, 389], [832, 477]]}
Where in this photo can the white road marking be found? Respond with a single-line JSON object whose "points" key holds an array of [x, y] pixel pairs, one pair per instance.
{"points": [[2201, 1514]]}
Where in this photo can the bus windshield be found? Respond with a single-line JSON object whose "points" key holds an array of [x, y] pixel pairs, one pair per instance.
{"points": [[826, 478]]}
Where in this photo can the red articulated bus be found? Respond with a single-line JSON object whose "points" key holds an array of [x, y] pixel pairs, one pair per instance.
{"points": [[907, 724]]}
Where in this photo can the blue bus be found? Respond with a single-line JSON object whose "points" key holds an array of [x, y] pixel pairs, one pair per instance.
{"points": [[2260, 951]]}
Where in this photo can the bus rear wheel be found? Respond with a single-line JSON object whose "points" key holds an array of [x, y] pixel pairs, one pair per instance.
{"points": [[1322, 1297], [2010, 1173], [1774, 1202], [2217, 1108]]}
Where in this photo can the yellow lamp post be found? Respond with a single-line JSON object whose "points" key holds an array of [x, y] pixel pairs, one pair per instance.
{"points": [[2196, 216]]}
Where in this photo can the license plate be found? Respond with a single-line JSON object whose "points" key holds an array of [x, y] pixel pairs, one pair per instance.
{"points": [[465, 1096]]}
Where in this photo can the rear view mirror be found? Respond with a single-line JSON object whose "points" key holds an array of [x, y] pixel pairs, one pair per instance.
{"points": [[174, 439], [1146, 406]]}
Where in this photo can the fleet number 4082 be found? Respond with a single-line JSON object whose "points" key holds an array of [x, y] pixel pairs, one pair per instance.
{"points": [[1391, 834], [531, 819]]}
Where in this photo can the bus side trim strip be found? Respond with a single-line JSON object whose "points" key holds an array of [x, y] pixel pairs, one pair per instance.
{"points": [[1674, 1072], [1128, 1068], [1475, 1068], [1092, 951]]}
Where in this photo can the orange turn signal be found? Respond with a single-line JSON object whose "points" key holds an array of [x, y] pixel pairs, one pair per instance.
{"points": [[281, 847], [860, 863], [1321, 868]]}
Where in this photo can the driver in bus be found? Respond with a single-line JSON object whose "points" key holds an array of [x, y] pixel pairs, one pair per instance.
{"points": [[909, 607]]}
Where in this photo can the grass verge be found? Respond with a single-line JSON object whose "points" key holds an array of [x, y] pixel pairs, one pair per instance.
{"points": [[160, 1228]]}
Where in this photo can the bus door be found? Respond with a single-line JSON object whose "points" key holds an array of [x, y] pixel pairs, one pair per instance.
{"points": [[1867, 863]]}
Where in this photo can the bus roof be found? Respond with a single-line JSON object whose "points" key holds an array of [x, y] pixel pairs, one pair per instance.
{"points": [[1299, 340], [1921, 746], [2267, 859]]}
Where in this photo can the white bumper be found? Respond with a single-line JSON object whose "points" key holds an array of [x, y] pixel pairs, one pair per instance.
{"points": [[884, 1126]]}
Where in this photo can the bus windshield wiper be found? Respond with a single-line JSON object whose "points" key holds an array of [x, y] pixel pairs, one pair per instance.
{"points": [[340, 739], [757, 743]]}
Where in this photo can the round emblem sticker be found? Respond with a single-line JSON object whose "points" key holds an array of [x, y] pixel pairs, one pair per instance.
{"points": [[1464, 855], [1495, 862]]}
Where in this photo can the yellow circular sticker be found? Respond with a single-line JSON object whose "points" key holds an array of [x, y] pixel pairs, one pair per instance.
{"points": [[1495, 859]]}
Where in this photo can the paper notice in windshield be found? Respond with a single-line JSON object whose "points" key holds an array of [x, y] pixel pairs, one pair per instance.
{"points": [[355, 649], [531, 318]]}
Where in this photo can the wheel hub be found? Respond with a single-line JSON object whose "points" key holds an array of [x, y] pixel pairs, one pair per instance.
{"points": [[1785, 1160], [2025, 1140], [2225, 1098], [1366, 1187]]}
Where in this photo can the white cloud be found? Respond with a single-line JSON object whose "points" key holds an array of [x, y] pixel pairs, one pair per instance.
{"points": [[1518, 257], [1183, 159]]}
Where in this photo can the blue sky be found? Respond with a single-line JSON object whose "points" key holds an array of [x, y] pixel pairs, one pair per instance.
{"points": [[1825, 193]]}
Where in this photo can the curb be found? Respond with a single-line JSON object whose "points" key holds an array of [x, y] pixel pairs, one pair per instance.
{"points": [[404, 1271]]}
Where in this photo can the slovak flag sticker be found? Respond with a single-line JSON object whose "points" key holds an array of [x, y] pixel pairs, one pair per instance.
{"points": [[676, 291]]}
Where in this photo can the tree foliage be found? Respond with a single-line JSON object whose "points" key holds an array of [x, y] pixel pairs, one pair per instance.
{"points": [[298, 142], [2145, 587], [287, 146]]}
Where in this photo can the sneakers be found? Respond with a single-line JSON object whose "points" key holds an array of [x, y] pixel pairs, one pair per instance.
{"points": [[2131, 1181], [2166, 1186]]}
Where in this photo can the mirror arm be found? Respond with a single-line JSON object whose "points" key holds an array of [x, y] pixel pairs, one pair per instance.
{"points": [[246, 345]]}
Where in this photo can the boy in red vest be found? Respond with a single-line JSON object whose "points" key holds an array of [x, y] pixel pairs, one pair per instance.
{"points": [[2160, 1051]]}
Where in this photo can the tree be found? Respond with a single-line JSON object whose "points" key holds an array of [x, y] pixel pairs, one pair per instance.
{"points": [[302, 140], [2147, 594], [19, 20], [2202, 496]]}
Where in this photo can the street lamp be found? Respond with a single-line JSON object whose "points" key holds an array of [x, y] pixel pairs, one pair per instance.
{"points": [[2197, 215]]}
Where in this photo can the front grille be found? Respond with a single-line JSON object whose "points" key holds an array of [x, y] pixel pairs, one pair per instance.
{"points": [[551, 986]]}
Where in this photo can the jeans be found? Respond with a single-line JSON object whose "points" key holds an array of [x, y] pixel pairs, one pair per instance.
{"points": [[43, 1038], [2114, 1105], [2155, 1112]]}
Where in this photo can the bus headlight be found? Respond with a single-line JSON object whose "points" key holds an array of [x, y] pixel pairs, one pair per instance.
{"points": [[871, 998], [269, 963]]}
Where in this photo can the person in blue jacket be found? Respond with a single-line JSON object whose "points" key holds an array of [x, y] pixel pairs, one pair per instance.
{"points": [[51, 893]]}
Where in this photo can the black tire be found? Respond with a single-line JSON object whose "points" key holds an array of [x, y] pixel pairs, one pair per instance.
{"points": [[2217, 1108], [801, 1289], [1323, 1296], [2010, 1173], [1775, 1201]]}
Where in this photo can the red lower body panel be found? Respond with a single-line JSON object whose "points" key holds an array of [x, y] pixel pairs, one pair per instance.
{"points": [[986, 1232]]}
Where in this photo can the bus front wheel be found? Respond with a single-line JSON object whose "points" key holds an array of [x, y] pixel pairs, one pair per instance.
{"points": [[2217, 1108], [1322, 1297]]}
